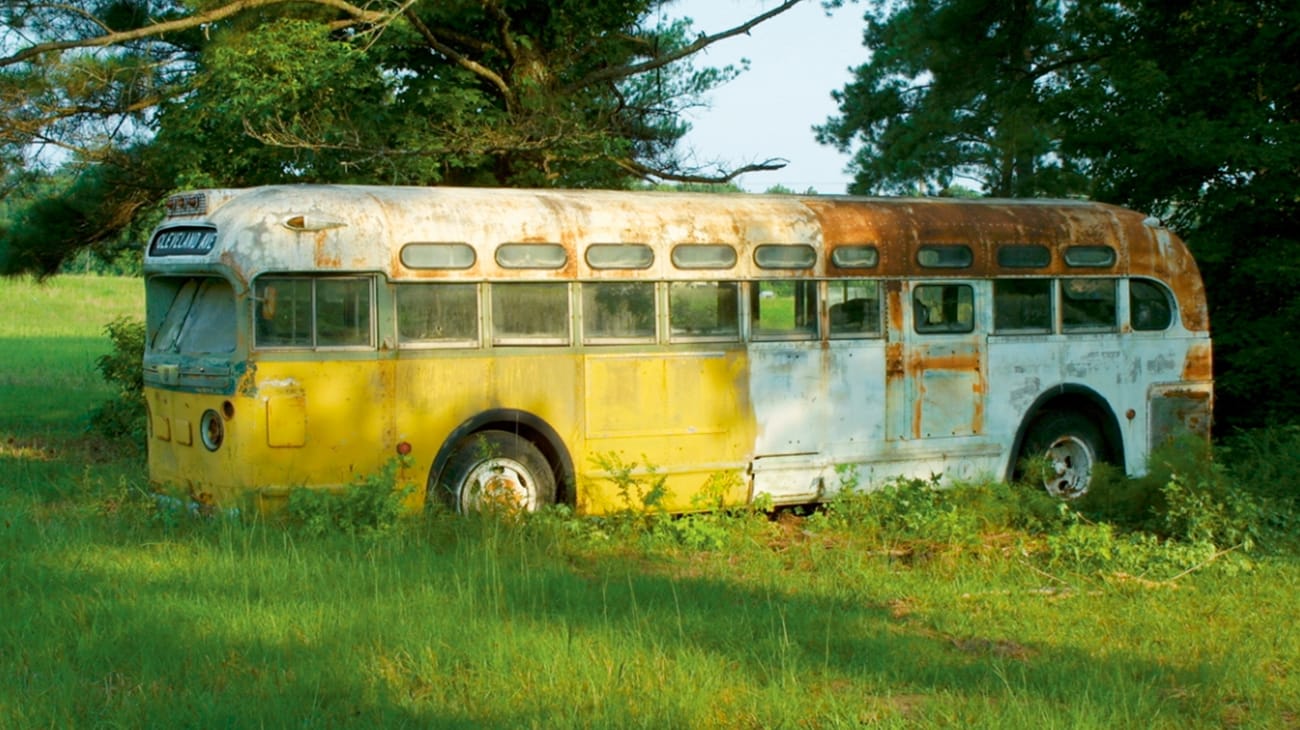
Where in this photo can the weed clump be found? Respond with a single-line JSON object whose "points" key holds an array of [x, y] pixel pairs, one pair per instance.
{"points": [[369, 507], [124, 415]]}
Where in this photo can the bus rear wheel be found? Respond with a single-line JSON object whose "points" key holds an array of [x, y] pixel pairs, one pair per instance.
{"points": [[1070, 446], [497, 471]]}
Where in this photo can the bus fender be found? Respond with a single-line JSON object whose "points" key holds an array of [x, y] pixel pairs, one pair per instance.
{"points": [[523, 423], [1071, 397]]}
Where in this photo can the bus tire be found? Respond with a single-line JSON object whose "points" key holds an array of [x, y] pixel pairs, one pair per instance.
{"points": [[497, 470], [1072, 446]]}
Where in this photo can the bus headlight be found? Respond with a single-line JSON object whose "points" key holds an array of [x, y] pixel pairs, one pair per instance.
{"points": [[212, 430]]}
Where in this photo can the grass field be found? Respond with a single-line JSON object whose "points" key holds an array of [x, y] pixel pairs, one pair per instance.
{"points": [[907, 609]]}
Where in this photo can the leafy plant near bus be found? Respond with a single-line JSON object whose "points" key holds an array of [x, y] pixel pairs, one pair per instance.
{"points": [[123, 415], [369, 507]]}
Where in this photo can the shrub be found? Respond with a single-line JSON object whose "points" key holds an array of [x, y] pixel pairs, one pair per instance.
{"points": [[123, 416], [369, 507]]}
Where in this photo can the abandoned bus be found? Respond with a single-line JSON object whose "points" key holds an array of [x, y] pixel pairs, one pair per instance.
{"points": [[511, 341]]}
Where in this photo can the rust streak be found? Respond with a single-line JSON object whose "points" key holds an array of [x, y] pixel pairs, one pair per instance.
{"points": [[1199, 366]]}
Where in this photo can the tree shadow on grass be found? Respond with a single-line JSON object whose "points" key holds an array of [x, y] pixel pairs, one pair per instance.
{"points": [[246, 625]]}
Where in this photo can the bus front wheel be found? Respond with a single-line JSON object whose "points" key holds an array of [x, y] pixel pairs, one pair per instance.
{"points": [[497, 470], [1061, 450]]}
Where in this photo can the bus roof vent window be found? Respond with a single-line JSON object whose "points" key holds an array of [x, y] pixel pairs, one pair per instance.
{"points": [[438, 256], [1090, 256], [856, 257], [1024, 256], [704, 256], [785, 256], [531, 256], [948, 256], [620, 256]]}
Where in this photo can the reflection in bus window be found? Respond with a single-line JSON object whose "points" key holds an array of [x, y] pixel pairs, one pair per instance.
{"points": [[940, 308], [441, 313], [854, 307], [342, 312], [1088, 304], [532, 312], [856, 257], [1022, 305], [1149, 306], [704, 310], [954, 256], [618, 310], [284, 312]]}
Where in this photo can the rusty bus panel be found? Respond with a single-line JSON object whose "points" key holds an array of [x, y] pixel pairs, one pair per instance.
{"points": [[1178, 411]]}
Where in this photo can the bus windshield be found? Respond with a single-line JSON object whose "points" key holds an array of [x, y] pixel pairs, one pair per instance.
{"points": [[195, 315]]}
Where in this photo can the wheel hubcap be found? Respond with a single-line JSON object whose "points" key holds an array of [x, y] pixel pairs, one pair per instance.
{"points": [[498, 484], [1070, 463]]}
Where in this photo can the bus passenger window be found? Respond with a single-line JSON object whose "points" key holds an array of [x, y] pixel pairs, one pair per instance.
{"points": [[784, 309], [704, 310], [1088, 304], [854, 307], [284, 312], [1149, 307], [618, 311], [1022, 305], [343, 313], [943, 308], [532, 313], [437, 313]]}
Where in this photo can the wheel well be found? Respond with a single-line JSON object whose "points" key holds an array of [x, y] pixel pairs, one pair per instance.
{"points": [[1072, 399], [524, 424]]}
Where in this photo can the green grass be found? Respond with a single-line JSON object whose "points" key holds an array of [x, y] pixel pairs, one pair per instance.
{"points": [[901, 610]]}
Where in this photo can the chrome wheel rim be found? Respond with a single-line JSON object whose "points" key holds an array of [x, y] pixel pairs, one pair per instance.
{"points": [[498, 484], [1069, 461]]}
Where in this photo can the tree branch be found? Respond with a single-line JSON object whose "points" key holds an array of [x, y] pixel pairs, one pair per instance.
{"points": [[646, 172], [622, 72], [464, 61], [156, 29]]}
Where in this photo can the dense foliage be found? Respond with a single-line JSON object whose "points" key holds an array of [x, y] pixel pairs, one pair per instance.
{"points": [[139, 97], [1189, 110]]}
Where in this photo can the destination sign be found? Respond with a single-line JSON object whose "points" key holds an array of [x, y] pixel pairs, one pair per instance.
{"points": [[183, 242]]}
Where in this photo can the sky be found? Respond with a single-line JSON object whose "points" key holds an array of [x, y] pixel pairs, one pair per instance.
{"points": [[796, 60]]}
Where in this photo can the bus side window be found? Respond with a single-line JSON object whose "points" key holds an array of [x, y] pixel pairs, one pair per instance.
{"points": [[943, 308], [1088, 304], [618, 311], [284, 312], [535, 313], [704, 310], [1022, 305], [437, 313], [783, 309], [1149, 306], [854, 307], [343, 313]]}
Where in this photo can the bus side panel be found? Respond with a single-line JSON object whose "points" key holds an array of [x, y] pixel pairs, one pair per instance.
{"points": [[319, 424], [299, 424], [688, 408], [438, 390]]}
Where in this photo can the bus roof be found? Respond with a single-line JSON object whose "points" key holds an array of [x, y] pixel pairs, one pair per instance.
{"points": [[310, 228]]}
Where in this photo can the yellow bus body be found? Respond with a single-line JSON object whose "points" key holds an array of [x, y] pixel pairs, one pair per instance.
{"points": [[743, 417]]}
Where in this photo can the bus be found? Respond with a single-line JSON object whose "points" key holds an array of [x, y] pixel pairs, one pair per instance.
{"points": [[543, 346]]}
